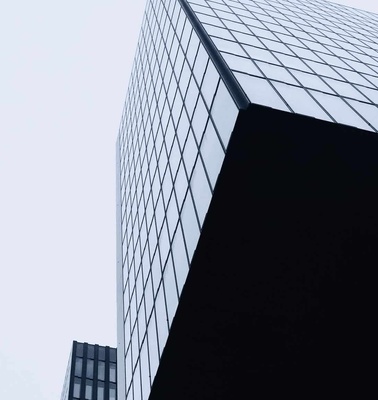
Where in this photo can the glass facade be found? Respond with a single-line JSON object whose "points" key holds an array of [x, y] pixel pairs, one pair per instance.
{"points": [[308, 57], [313, 58], [91, 369], [172, 143]]}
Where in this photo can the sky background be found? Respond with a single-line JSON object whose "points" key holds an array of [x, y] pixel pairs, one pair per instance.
{"points": [[64, 73]]}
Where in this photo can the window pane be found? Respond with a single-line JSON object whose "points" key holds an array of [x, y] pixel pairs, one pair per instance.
{"points": [[113, 355], [340, 110], [112, 391], [299, 100], [78, 366], [77, 384], [212, 153], [241, 64], [101, 370], [88, 390], [100, 391], [201, 190], [275, 72], [368, 111], [101, 353], [90, 369], [224, 121], [90, 351], [112, 372], [260, 91], [190, 225], [79, 349], [170, 290]]}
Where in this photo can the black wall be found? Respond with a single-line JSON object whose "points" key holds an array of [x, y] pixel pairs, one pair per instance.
{"points": [[281, 294]]}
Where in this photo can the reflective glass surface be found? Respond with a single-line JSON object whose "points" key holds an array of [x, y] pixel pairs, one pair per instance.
{"points": [[313, 57], [172, 140]]}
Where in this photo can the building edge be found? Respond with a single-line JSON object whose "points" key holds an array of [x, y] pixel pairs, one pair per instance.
{"points": [[119, 285]]}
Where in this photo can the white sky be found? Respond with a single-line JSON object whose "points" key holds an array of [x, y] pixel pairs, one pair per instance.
{"points": [[64, 72]]}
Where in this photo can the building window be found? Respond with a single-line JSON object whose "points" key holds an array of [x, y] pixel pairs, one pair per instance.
{"points": [[88, 389], [90, 369], [78, 366], [90, 351], [113, 355], [112, 391], [100, 391], [101, 370], [79, 350], [101, 353], [76, 391], [112, 374]]}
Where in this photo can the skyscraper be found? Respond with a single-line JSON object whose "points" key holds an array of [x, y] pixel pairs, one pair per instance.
{"points": [[91, 373], [247, 187]]}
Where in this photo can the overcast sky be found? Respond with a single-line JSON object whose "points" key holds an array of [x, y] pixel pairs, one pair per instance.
{"points": [[64, 72]]}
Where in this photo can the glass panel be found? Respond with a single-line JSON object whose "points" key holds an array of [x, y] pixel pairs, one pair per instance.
{"points": [[218, 32], [200, 117], [100, 390], [228, 46], [101, 370], [200, 190], [304, 53], [277, 46], [191, 97], [311, 81], [353, 77], [78, 366], [101, 353], [88, 389], [224, 121], [164, 243], [112, 391], [180, 258], [90, 369], [153, 346], [190, 153], [260, 54], [248, 39], [275, 72], [79, 349], [292, 62], [189, 225], [259, 91], [241, 64], [77, 385], [90, 353], [340, 110], [161, 319], [170, 290], [128, 368], [368, 111], [210, 83], [148, 296], [212, 152], [112, 372], [145, 371], [371, 94], [299, 100], [344, 89]]}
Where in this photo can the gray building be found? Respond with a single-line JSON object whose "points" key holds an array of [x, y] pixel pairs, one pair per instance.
{"points": [[91, 373], [246, 192]]}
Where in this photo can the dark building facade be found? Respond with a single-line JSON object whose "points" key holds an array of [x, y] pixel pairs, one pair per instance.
{"points": [[91, 373], [247, 175]]}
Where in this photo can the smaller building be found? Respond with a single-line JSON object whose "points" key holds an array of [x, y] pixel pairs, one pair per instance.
{"points": [[91, 373]]}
